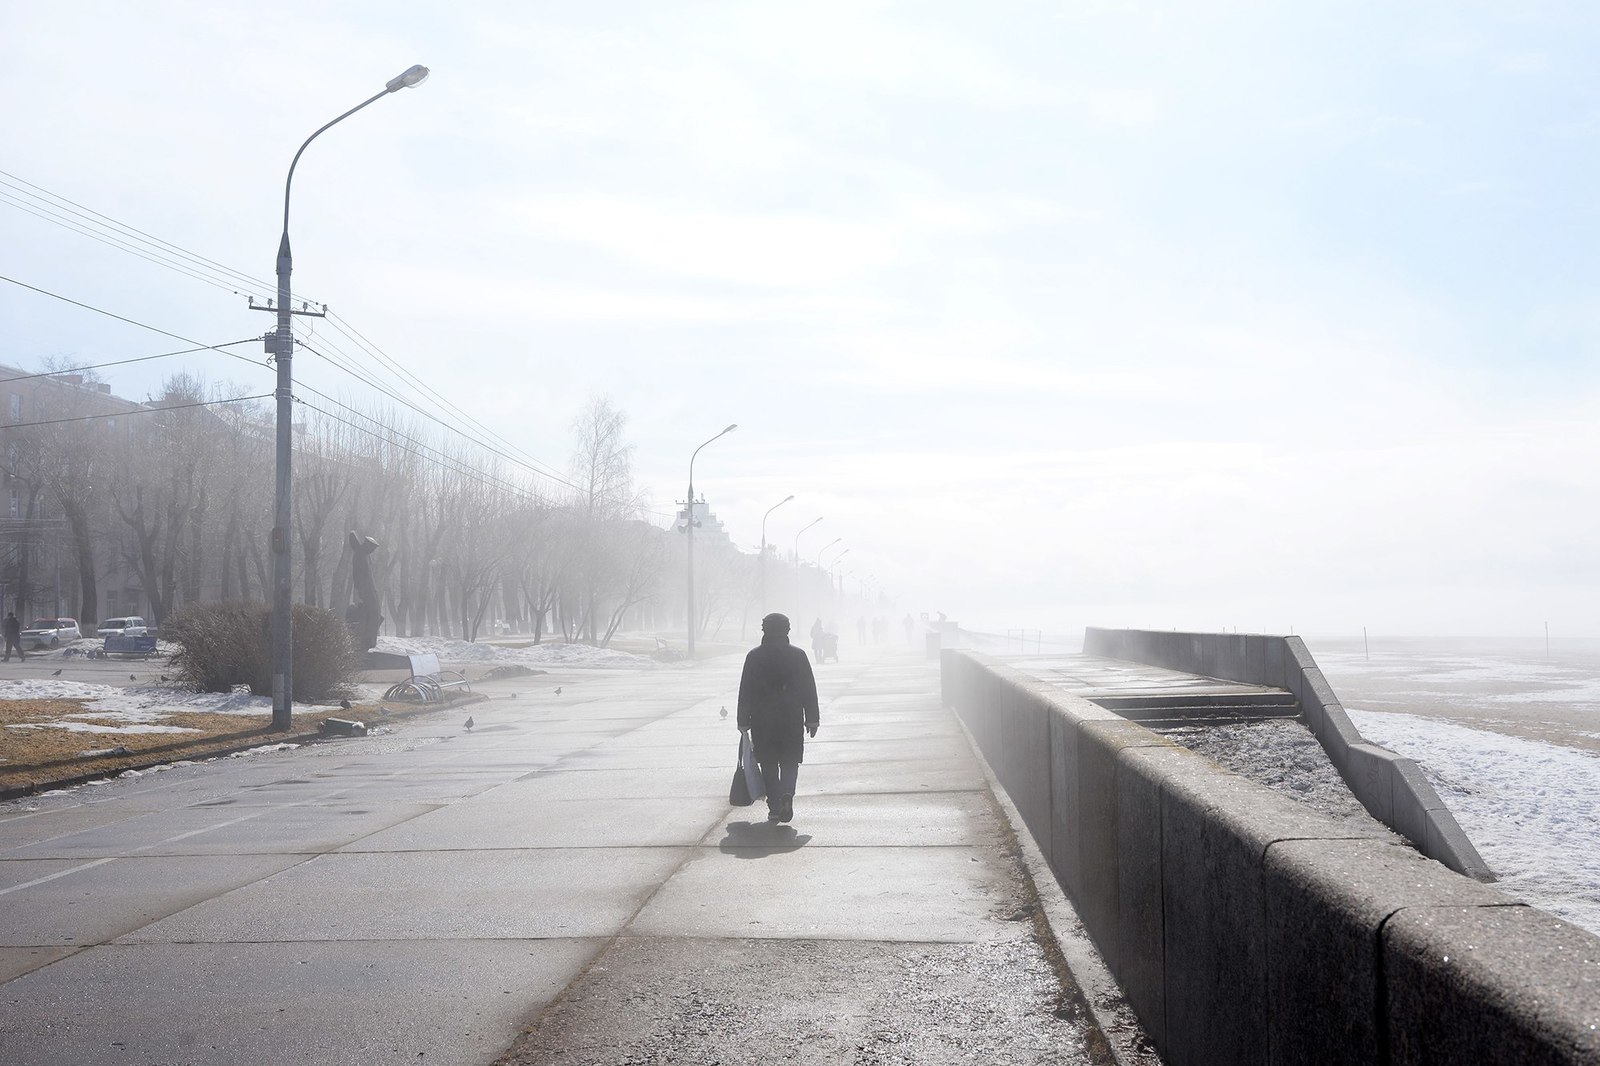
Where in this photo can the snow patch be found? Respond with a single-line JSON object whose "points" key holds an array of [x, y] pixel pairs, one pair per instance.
{"points": [[1531, 808], [553, 654]]}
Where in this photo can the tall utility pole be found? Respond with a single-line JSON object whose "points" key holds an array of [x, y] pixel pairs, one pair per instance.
{"points": [[763, 562], [689, 527], [280, 344]]}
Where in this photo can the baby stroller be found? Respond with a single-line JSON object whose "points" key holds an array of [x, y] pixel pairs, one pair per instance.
{"points": [[830, 647]]}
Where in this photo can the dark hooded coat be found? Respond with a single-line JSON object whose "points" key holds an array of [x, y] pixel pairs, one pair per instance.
{"points": [[778, 699]]}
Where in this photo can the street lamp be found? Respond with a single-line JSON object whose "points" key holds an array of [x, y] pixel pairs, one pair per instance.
{"points": [[281, 343], [803, 528], [824, 548], [763, 569], [689, 526]]}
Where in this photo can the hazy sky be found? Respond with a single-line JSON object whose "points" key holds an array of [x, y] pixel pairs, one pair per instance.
{"points": [[1221, 314]]}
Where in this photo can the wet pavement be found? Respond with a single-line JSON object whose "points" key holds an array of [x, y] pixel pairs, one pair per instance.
{"points": [[566, 881]]}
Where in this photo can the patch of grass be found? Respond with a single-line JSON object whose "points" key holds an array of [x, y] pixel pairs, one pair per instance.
{"points": [[44, 755]]}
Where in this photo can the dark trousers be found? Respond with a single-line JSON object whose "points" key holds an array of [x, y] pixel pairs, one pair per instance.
{"points": [[13, 642], [779, 777]]}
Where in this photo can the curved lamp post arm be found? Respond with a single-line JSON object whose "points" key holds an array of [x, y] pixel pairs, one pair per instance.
{"points": [[415, 75], [761, 563], [764, 518], [724, 433], [824, 548], [689, 621], [803, 528]]}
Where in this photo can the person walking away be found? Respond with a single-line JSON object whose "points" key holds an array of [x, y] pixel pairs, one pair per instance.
{"points": [[817, 633], [13, 630], [778, 705]]}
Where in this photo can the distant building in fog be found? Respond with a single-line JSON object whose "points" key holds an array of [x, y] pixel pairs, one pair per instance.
{"points": [[707, 526]]}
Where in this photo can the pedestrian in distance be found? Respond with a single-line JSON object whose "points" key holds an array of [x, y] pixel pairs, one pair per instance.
{"points": [[817, 636], [13, 629], [778, 705]]}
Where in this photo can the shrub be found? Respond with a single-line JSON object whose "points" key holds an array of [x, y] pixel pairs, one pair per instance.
{"points": [[228, 644]]}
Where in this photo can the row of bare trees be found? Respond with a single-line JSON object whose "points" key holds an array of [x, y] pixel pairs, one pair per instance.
{"points": [[173, 499]]}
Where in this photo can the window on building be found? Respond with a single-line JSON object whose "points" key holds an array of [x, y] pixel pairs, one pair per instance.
{"points": [[16, 407]]}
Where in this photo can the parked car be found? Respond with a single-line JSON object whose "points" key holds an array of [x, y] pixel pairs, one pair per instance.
{"points": [[50, 632], [132, 626]]}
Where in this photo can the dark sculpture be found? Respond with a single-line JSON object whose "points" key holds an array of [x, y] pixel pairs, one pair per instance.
{"points": [[363, 615]]}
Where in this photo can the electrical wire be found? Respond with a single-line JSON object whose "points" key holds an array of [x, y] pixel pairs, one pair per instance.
{"points": [[124, 362], [76, 217], [133, 322], [134, 411], [70, 216], [122, 229], [436, 420]]}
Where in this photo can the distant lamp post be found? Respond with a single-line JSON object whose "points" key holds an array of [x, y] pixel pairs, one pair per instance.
{"points": [[833, 564], [803, 528], [824, 548], [689, 525], [763, 569], [281, 343]]}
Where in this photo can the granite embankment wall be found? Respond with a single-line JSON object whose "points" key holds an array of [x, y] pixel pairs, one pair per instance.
{"points": [[1247, 928], [1391, 787]]}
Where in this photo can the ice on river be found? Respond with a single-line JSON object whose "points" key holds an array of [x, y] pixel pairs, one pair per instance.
{"points": [[1531, 808]]}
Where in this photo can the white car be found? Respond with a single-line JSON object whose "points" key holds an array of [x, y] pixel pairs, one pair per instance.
{"points": [[132, 626], [50, 632]]}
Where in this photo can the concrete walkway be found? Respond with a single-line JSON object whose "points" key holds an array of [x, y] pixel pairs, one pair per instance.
{"points": [[571, 866]]}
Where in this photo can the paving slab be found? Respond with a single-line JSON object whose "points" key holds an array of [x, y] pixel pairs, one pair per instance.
{"points": [[708, 1002], [214, 830], [944, 775], [490, 822], [432, 895], [66, 901], [14, 962], [670, 783], [324, 1004], [923, 819], [917, 894]]}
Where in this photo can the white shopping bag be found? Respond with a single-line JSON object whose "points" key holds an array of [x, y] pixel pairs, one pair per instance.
{"points": [[752, 771]]}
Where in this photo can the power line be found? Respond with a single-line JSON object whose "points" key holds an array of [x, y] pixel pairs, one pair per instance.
{"points": [[124, 362], [423, 452], [131, 321], [436, 420], [235, 277], [339, 323], [135, 411], [119, 236], [53, 213], [69, 217], [112, 242]]}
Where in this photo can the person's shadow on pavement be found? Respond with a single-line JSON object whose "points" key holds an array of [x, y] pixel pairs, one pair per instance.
{"points": [[757, 840]]}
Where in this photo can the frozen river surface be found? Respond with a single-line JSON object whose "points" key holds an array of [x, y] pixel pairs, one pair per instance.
{"points": [[1510, 739]]}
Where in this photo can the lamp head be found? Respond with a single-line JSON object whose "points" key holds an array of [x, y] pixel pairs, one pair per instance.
{"points": [[730, 429], [412, 77]]}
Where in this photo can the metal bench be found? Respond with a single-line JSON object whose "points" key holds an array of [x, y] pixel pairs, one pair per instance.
{"points": [[428, 683]]}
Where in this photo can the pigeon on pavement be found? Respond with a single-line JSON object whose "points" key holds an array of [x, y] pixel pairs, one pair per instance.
{"points": [[724, 712], [132, 678], [469, 723], [558, 690], [57, 673], [344, 704]]}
